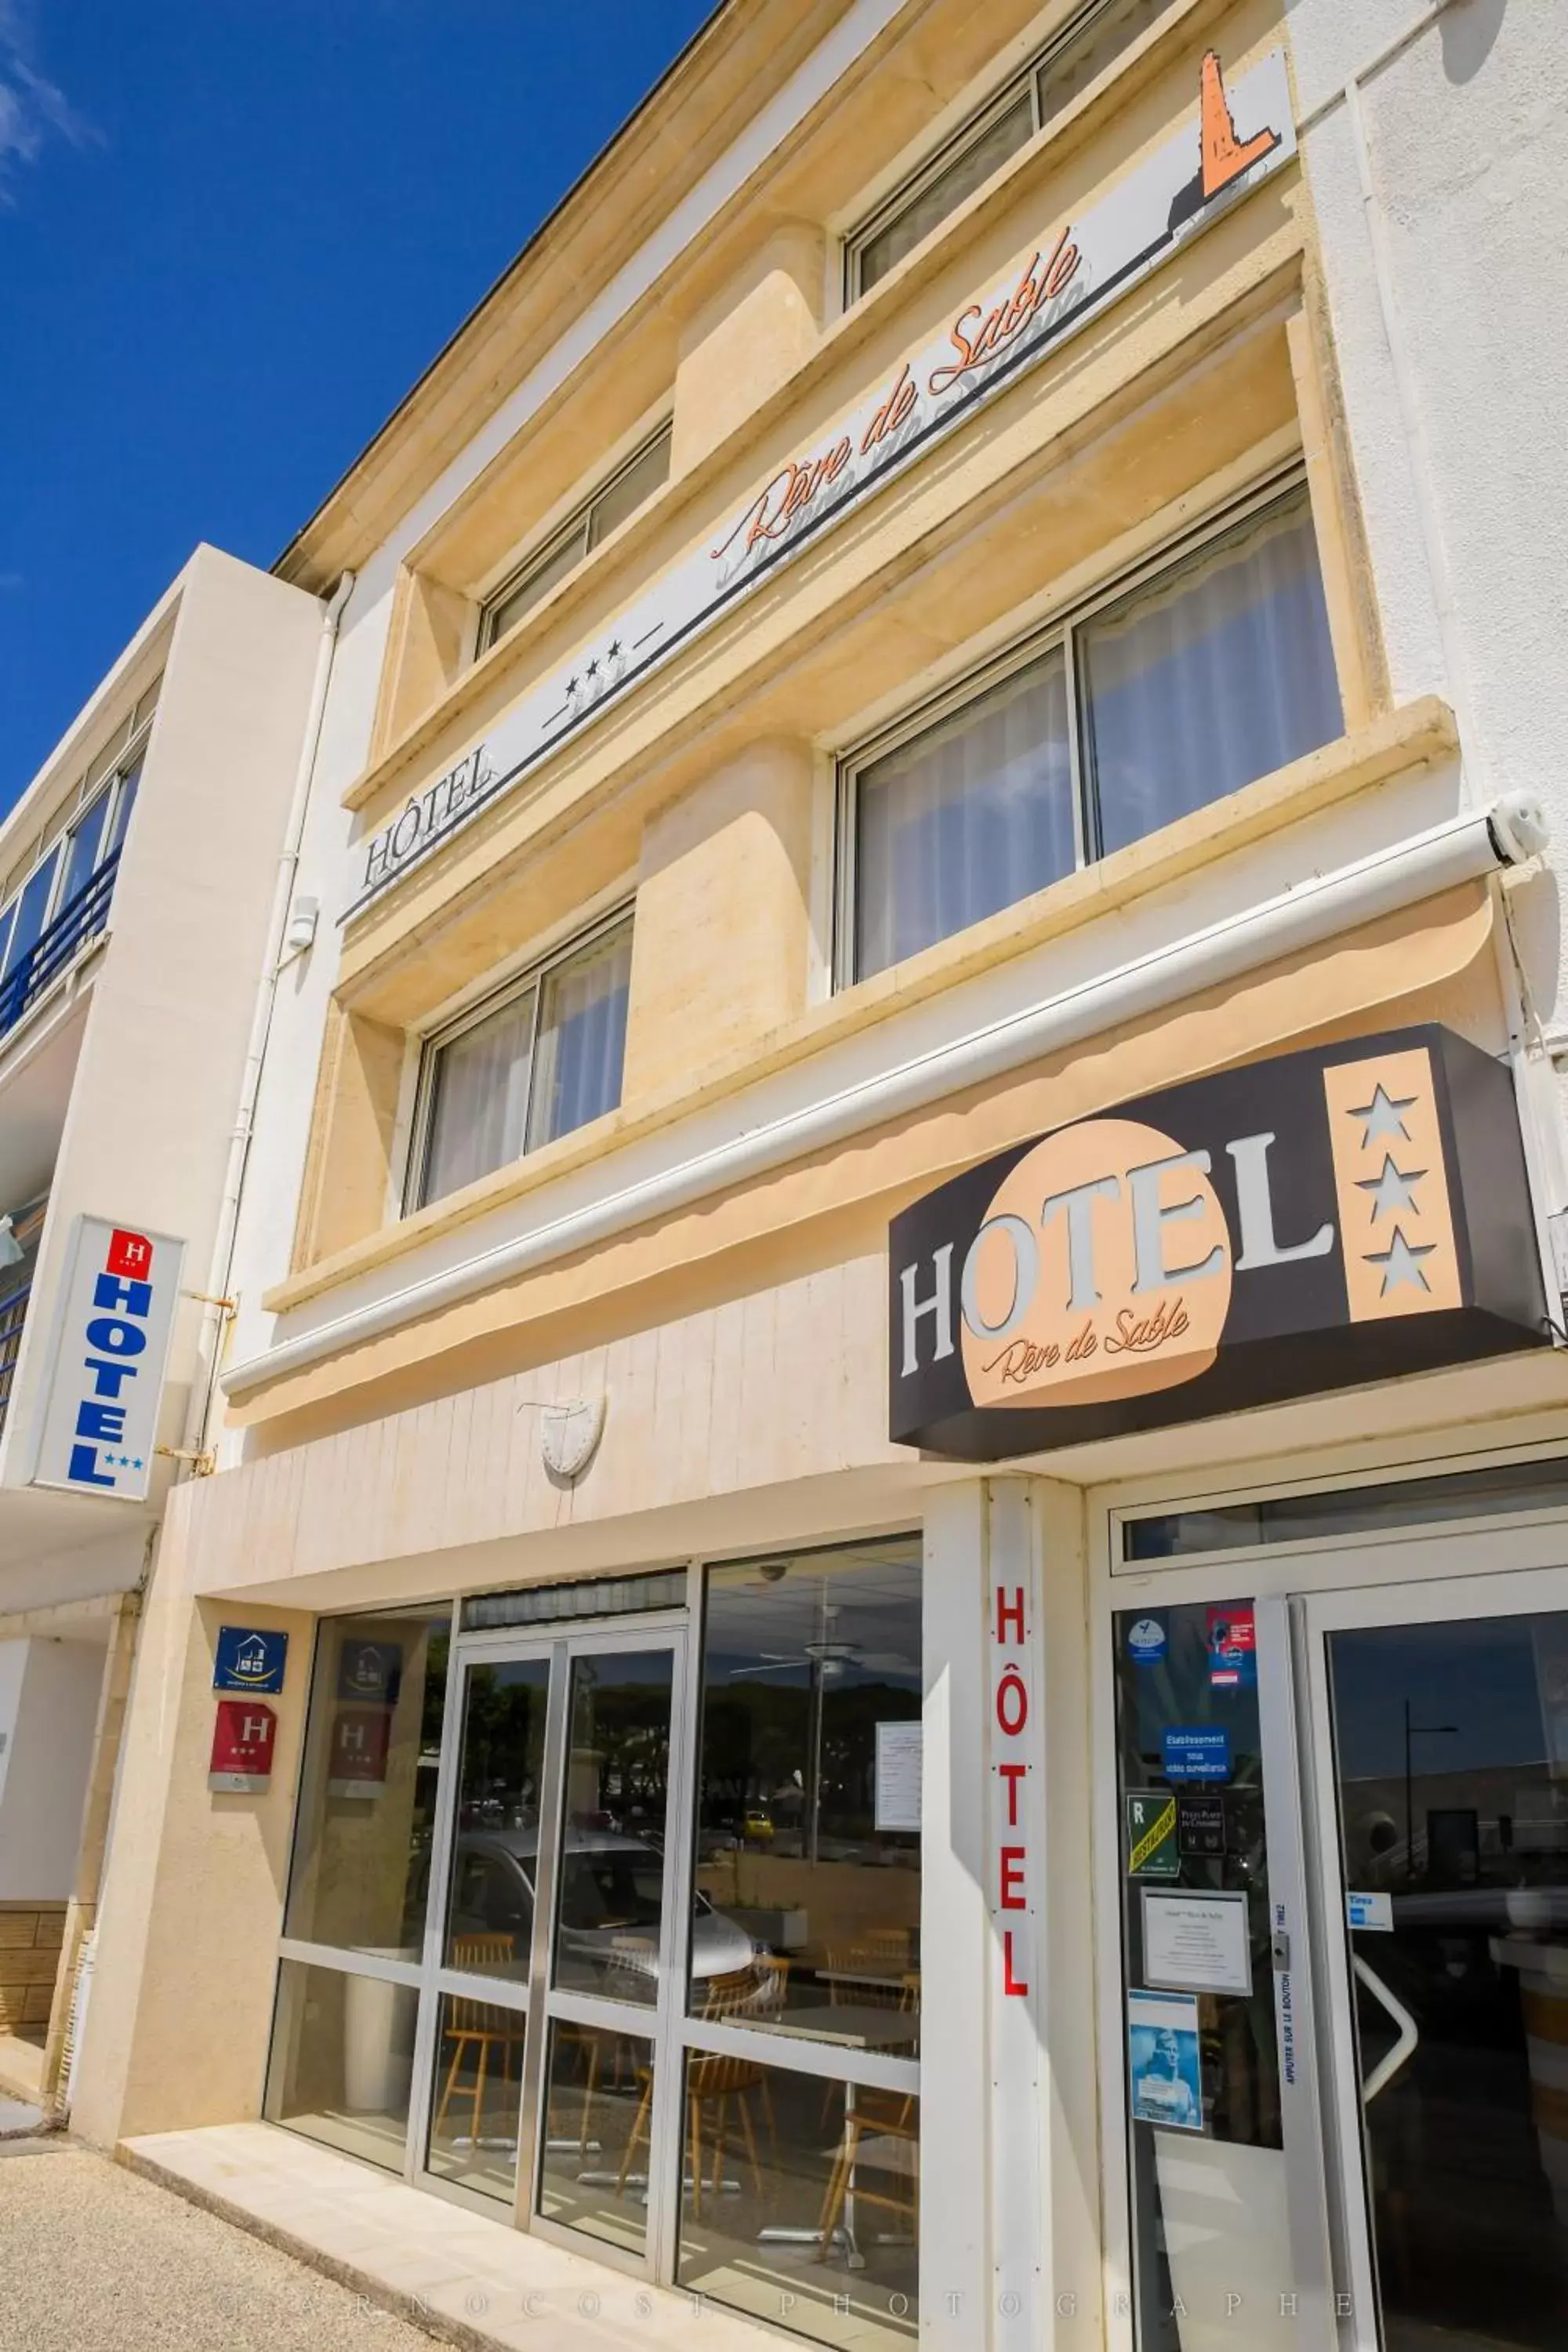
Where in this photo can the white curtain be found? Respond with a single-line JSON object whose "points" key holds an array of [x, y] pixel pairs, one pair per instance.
{"points": [[1218, 676], [582, 1038], [479, 1116], [965, 819]]}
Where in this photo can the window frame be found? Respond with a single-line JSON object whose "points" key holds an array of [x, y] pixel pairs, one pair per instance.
{"points": [[431, 1046], [579, 522], [1026, 81], [1281, 487], [100, 782]]}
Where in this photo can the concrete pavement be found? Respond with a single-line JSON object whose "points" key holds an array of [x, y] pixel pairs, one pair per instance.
{"points": [[94, 2259]]}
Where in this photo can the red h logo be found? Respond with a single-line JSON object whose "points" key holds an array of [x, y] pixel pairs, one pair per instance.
{"points": [[130, 1253]]}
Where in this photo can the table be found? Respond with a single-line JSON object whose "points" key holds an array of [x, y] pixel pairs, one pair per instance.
{"points": [[848, 2026]]}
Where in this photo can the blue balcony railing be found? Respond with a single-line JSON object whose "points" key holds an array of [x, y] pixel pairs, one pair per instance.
{"points": [[13, 1315], [79, 920]]}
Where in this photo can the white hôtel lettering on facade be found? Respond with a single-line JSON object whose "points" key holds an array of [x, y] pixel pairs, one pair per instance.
{"points": [[1240, 135]]}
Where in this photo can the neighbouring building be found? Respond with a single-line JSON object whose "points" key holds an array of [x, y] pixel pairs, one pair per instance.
{"points": [[897, 1371], [139, 872]]}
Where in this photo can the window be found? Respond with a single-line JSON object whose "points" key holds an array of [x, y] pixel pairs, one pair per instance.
{"points": [[807, 1825], [1213, 668], [609, 506], [542, 1060], [342, 2045], [1084, 47], [46, 910]]}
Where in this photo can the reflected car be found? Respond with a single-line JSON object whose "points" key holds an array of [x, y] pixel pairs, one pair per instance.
{"points": [[611, 1892]]}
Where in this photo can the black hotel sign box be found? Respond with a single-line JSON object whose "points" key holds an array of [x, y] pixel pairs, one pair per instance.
{"points": [[1322, 1219]]}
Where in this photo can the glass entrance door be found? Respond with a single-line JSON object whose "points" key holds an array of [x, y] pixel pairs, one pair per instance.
{"points": [[551, 1948], [1442, 1789]]}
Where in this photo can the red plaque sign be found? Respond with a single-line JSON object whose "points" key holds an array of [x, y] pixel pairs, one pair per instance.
{"points": [[244, 1737]]}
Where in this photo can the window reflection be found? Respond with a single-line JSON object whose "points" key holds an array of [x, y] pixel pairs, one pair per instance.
{"points": [[808, 1794], [362, 1853], [343, 2059], [489, 1908], [800, 2200], [611, 1897]]}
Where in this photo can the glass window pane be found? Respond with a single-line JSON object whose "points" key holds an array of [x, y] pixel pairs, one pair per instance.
{"points": [[342, 2057], [800, 2202], [1499, 1486], [130, 783], [1203, 2065], [971, 815], [490, 1909], [592, 2175], [1451, 1750], [1077, 62], [1206, 679], [647, 472], [536, 582], [82, 849], [609, 1902], [367, 1798], [479, 1098], [582, 1038], [970, 170], [475, 2096], [808, 1794], [32, 908]]}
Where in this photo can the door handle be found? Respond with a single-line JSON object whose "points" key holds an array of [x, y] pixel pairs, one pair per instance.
{"points": [[1409, 2034]]}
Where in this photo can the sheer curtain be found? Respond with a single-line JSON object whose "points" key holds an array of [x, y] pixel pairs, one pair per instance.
{"points": [[478, 1111], [1208, 679], [967, 818], [582, 1038]]}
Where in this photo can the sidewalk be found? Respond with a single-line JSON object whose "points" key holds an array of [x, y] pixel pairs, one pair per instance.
{"points": [[94, 2259]]}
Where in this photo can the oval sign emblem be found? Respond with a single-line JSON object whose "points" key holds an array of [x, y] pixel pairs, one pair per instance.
{"points": [[1102, 1269]]}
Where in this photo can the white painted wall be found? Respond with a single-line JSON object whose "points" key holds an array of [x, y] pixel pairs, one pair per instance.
{"points": [[1466, 135], [52, 1687], [144, 1127]]}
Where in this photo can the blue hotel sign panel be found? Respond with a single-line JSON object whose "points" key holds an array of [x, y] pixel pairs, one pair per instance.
{"points": [[114, 1317], [1238, 136]]}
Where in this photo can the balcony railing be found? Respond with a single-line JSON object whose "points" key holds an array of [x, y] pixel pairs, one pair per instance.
{"points": [[79, 920], [13, 1315]]}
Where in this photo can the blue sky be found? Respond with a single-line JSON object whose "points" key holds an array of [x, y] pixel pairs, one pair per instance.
{"points": [[232, 234]]}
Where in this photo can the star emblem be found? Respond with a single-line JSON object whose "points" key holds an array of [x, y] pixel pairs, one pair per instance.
{"points": [[1394, 1189], [570, 687], [591, 670], [616, 650], [1383, 1120], [1400, 1264]]}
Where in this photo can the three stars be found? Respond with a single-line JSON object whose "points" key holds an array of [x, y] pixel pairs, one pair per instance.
{"points": [[1392, 1190]]}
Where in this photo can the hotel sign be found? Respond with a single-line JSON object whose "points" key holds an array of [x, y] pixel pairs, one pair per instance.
{"points": [[1235, 137], [1326, 1218], [113, 1319]]}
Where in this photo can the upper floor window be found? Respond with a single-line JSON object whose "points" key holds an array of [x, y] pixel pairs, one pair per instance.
{"points": [[1008, 119], [1207, 670], [59, 892], [644, 472], [532, 1063]]}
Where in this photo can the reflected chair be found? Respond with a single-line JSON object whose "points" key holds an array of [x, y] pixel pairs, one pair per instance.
{"points": [[476, 2029], [717, 2081], [881, 2138]]}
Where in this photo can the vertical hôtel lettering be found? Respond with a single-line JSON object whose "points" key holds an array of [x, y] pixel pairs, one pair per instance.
{"points": [[1010, 1700]]}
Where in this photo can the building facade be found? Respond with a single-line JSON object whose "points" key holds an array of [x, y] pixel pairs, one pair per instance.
{"points": [[140, 869], [897, 1372]]}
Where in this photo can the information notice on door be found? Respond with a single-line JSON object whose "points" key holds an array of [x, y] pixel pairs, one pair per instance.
{"points": [[1196, 1943], [899, 1777]]}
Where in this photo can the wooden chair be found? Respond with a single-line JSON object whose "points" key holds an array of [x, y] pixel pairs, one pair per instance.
{"points": [[477, 2028], [718, 2081], [882, 2138]]}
